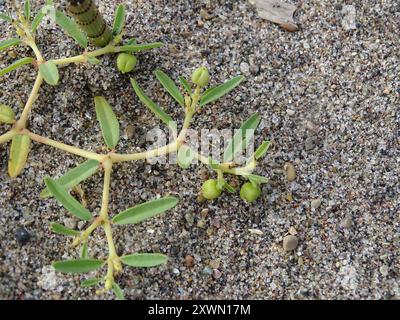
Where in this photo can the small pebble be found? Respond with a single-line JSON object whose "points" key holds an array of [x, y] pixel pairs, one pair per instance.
{"points": [[217, 274], [316, 203], [189, 218], [256, 231], [189, 261], [290, 172], [130, 131], [244, 67], [22, 236], [292, 231], [346, 223], [207, 271], [290, 112], [215, 263], [290, 243]]}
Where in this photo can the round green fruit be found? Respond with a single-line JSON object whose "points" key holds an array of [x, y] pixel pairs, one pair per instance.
{"points": [[249, 192], [201, 77], [210, 189], [126, 62]]}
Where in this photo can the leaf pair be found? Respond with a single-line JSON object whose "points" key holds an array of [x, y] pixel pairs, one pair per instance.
{"points": [[139, 260]]}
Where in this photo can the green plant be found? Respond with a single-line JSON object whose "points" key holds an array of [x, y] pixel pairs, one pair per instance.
{"points": [[191, 100]]}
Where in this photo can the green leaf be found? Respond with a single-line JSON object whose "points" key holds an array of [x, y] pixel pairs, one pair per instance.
{"points": [[156, 109], [170, 86], [119, 293], [262, 150], [19, 151], [5, 17], [77, 266], [84, 251], [90, 282], [241, 138], [74, 176], [39, 17], [7, 114], [93, 61], [108, 122], [229, 188], [9, 43], [16, 65], [186, 85], [140, 47], [145, 211], [27, 9], [49, 72], [144, 260], [119, 20], [60, 229], [69, 202], [71, 28], [217, 92], [185, 157], [255, 179]]}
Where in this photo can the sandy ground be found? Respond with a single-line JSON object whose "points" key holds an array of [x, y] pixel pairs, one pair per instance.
{"points": [[329, 101]]}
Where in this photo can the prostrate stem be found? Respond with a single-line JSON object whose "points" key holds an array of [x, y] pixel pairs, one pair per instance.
{"points": [[113, 262], [21, 124]]}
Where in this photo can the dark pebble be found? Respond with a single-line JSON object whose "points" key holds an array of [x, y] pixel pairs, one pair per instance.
{"points": [[22, 236]]}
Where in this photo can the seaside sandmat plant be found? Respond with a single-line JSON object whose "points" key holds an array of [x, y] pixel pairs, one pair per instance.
{"points": [[192, 98]]}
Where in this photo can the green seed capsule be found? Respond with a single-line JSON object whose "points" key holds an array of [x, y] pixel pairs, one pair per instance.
{"points": [[210, 189], [126, 62], [7, 114], [249, 192], [201, 77]]}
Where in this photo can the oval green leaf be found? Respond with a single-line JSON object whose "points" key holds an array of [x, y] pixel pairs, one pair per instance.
{"points": [[15, 65], [108, 122], [7, 114], [156, 109], [119, 20], [144, 260], [139, 47], [90, 282], [49, 72], [9, 43], [74, 176], [145, 211], [241, 138], [68, 202], [71, 28], [217, 92], [170, 86], [60, 229], [185, 157], [19, 151], [262, 150], [77, 266], [119, 293]]}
